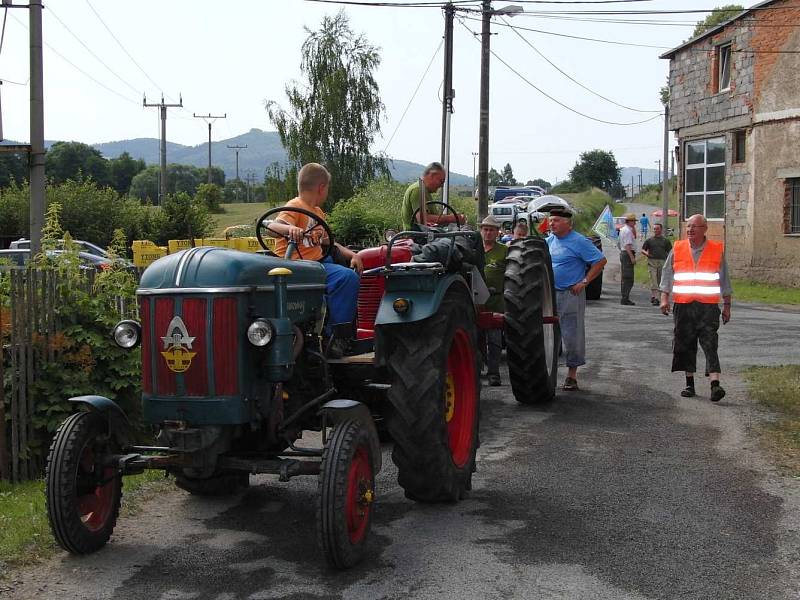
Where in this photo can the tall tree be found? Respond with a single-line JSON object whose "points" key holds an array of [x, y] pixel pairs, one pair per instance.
{"points": [[596, 168], [494, 177], [73, 160], [542, 183], [335, 113], [717, 16], [122, 170], [13, 167], [508, 175]]}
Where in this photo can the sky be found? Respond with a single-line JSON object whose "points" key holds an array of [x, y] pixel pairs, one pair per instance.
{"points": [[230, 57]]}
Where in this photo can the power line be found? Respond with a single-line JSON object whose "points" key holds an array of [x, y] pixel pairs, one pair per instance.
{"points": [[578, 37], [569, 108], [414, 95], [89, 50], [568, 76], [77, 68], [133, 60]]}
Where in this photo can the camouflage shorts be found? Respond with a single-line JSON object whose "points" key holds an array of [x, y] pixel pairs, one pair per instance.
{"points": [[695, 322]]}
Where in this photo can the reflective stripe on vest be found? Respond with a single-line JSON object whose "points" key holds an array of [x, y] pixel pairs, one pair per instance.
{"points": [[697, 282]]}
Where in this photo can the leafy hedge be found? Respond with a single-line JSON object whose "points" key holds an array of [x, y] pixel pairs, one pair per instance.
{"points": [[85, 358], [362, 219]]}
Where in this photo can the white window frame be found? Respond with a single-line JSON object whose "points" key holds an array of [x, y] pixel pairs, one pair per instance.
{"points": [[723, 51], [704, 166]]}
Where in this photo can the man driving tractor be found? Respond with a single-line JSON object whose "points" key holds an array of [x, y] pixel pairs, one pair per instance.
{"points": [[341, 283]]}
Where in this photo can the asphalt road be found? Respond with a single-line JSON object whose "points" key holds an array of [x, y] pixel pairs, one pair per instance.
{"points": [[620, 491]]}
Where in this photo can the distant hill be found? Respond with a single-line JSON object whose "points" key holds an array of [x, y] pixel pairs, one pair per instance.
{"points": [[263, 149], [648, 176]]}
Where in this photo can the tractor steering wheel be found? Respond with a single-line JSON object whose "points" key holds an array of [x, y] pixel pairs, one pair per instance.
{"points": [[447, 208], [264, 223]]}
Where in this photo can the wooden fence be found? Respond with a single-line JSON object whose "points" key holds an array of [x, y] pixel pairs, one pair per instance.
{"points": [[29, 324]]}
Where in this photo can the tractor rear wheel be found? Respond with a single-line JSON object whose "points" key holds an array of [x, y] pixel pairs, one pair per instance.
{"points": [[531, 344], [435, 399], [346, 494], [82, 491]]}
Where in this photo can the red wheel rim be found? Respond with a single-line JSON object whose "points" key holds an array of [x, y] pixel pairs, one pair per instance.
{"points": [[460, 398], [360, 494], [94, 507]]}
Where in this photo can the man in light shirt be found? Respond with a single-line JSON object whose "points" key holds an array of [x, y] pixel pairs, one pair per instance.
{"points": [[627, 257]]}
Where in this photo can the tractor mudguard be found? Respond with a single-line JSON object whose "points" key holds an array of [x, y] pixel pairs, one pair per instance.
{"points": [[119, 427], [341, 410], [422, 289]]}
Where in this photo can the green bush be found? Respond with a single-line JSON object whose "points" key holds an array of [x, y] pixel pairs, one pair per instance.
{"points": [[85, 360], [362, 219]]}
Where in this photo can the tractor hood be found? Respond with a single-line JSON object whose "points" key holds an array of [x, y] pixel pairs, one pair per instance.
{"points": [[210, 268]]}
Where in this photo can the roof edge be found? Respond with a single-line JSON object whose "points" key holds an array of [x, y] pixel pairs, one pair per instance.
{"points": [[713, 30]]}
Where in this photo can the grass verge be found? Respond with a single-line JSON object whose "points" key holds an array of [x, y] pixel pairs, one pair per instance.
{"points": [[752, 291], [240, 213], [778, 388], [24, 531]]}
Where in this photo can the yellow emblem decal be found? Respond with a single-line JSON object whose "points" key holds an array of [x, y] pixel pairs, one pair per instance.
{"points": [[177, 346]]}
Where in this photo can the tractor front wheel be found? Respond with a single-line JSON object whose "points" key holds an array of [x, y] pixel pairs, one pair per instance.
{"points": [[435, 400], [346, 494], [82, 491]]}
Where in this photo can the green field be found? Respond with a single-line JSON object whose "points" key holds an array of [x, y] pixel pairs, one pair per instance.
{"points": [[237, 214]]}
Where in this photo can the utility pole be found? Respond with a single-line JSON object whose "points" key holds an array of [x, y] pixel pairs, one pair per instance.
{"points": [[631, 187], [209, 118], [162, 194], [640, 182], [659, 171], [37, 180], [664, 188], [474, 156], [251, 179], [236, 149], [447, 99], [483, 130]]}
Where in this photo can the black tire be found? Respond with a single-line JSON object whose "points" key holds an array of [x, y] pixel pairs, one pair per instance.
{"points": [[435, 399], [223, 484], [82, 497], [595, 288], [346, 494], [531, 345]]}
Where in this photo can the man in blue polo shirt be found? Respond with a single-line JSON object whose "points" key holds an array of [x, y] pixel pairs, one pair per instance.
{"points": [[572, 253]]}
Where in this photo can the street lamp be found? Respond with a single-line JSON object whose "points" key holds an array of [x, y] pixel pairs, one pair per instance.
{"points": [[483, 136]]}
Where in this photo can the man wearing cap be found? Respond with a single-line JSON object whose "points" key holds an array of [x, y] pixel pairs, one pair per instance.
{"points": [[696, 275], [432, 180], [494, 273], [656, 249], [571, 254], [627, 257]]}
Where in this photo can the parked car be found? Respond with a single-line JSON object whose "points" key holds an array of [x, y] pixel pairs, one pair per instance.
{"points": [[19, 257], [84, 247], [538, 208]]}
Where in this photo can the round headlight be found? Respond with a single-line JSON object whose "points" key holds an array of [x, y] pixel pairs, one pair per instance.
{"points": [[127, 334], [260, 332]]}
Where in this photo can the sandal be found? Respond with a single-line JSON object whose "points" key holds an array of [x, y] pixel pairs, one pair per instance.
{"points": [[570, 385]]}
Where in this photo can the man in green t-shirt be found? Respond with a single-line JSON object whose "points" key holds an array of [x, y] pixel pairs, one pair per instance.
{"points": [[432, 179], [494, 274]]}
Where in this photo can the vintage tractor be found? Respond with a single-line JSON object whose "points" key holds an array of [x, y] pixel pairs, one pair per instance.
{"points": [[237, 365]]}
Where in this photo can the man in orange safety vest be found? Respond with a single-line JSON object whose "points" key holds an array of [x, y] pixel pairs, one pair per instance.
{"points": [[696, 275]]}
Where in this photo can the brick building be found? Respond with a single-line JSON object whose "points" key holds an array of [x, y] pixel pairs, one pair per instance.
{"points": [[735, 110]]}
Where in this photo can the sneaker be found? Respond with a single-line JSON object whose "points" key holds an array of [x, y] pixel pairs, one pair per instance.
{"points": [[654, 301], [717, 393], [494, 380], [570, 385], [626, 302], [688, 392]]}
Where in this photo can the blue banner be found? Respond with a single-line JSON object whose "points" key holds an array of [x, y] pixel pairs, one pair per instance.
{"points": [[604, 226]]}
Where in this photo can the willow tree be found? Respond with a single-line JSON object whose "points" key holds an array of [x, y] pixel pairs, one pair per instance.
{"points": [[335, 112]]}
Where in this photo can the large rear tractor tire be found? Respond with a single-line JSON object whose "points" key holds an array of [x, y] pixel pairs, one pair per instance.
{"points": [[346, 494], [531, 344], [435, 399], [82, 492]]}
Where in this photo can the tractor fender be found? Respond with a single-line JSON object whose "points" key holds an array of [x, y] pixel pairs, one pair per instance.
{"points": [[119, 427], [424, 291], [341, 410]]}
